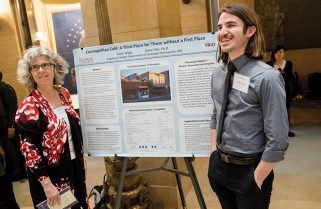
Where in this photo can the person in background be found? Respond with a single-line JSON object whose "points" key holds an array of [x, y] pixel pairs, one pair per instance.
{"points": [[9, 98], [49, 129], [285, 67], [7, 197], [250, 137], [2, 158], [9, 105]]}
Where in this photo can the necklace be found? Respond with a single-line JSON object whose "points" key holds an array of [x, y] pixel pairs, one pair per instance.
{"points": [[53, 99], [57, 101]]}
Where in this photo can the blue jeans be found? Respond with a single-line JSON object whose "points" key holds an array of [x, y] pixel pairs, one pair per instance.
{"points": [[235, 186]]}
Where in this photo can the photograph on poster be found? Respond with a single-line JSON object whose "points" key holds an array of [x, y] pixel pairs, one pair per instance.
{"points": [[145, 84]]}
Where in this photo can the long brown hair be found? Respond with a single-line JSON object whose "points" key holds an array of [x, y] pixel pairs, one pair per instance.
{"points": [[256, 45]]}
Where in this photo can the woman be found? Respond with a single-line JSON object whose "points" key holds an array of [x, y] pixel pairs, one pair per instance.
{"points": [[285, 68], [49, 129]]}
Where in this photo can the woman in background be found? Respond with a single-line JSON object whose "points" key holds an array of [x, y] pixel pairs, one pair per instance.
{"points": [[285, 67], [49, 129]]}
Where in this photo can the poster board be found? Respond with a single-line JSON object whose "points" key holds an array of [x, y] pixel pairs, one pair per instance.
{"points": [[148, 98]]}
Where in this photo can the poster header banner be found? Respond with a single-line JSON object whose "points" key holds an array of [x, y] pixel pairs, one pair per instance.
{"points": [[147, 49]]}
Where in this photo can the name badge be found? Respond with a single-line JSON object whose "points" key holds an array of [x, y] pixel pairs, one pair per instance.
{"points": [[241, 83]]}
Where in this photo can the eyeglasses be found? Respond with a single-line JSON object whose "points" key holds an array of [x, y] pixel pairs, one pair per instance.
{"points": [[44, 66]]}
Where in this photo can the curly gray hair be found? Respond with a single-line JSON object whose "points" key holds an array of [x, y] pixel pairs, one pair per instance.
{"points": [[24, 64]]}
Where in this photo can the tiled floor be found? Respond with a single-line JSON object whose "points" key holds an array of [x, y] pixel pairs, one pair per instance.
{"points": [[297, 179]]}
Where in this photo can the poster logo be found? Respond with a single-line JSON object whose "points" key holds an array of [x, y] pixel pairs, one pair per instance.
{"points": [[208, 46], [86, 60]]}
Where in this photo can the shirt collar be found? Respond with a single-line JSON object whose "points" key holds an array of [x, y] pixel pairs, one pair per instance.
{"points": [[240, 61]]}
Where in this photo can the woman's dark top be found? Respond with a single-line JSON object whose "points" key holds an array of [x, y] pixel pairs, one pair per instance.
{"points": [[289, 79]]}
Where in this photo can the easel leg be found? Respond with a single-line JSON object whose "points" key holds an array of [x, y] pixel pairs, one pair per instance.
{"points": [[123, 161], [179, 184], [188, 162]]}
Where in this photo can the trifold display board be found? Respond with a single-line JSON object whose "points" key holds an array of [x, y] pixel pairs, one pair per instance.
{"points": [[148, 98]]}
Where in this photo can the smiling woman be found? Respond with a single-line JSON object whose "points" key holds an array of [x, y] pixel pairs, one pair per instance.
{"points": [[48, 126], [39, 56]]}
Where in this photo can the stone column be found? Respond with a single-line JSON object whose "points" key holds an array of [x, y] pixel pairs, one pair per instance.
{"points": [[103, 24]]}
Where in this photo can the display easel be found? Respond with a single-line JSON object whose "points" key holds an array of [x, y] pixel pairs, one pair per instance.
{"points": [[190, 173]]}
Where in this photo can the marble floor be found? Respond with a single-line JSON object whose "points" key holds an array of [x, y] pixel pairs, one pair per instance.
{"points": [[297, 179]]}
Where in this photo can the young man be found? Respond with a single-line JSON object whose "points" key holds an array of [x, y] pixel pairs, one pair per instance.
{"points": [[250, 136]]}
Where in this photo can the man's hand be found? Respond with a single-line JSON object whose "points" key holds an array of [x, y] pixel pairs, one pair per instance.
{"points": [[213, 139], [11, 133], [263, 169], [258, 181]]}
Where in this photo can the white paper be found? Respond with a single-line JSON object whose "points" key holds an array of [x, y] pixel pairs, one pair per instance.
{"points": [[241, 82], [149, 130], [195, 133], [99, 95], [194, 84], [101, 138]]}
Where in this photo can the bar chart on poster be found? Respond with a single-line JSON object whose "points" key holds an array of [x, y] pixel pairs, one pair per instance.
{"points": [[147, 98]]}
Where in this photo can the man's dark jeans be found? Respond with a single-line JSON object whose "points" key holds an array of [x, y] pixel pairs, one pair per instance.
{"points": [[235, 186]]}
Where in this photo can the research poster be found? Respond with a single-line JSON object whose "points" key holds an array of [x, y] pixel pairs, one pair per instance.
{"points": [[149, 98]]}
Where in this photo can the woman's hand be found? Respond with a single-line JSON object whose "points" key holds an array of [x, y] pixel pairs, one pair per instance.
{"points": [[52, 193]]}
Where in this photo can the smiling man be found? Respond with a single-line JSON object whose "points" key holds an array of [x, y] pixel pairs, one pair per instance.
{"points": [[249, 127]]}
